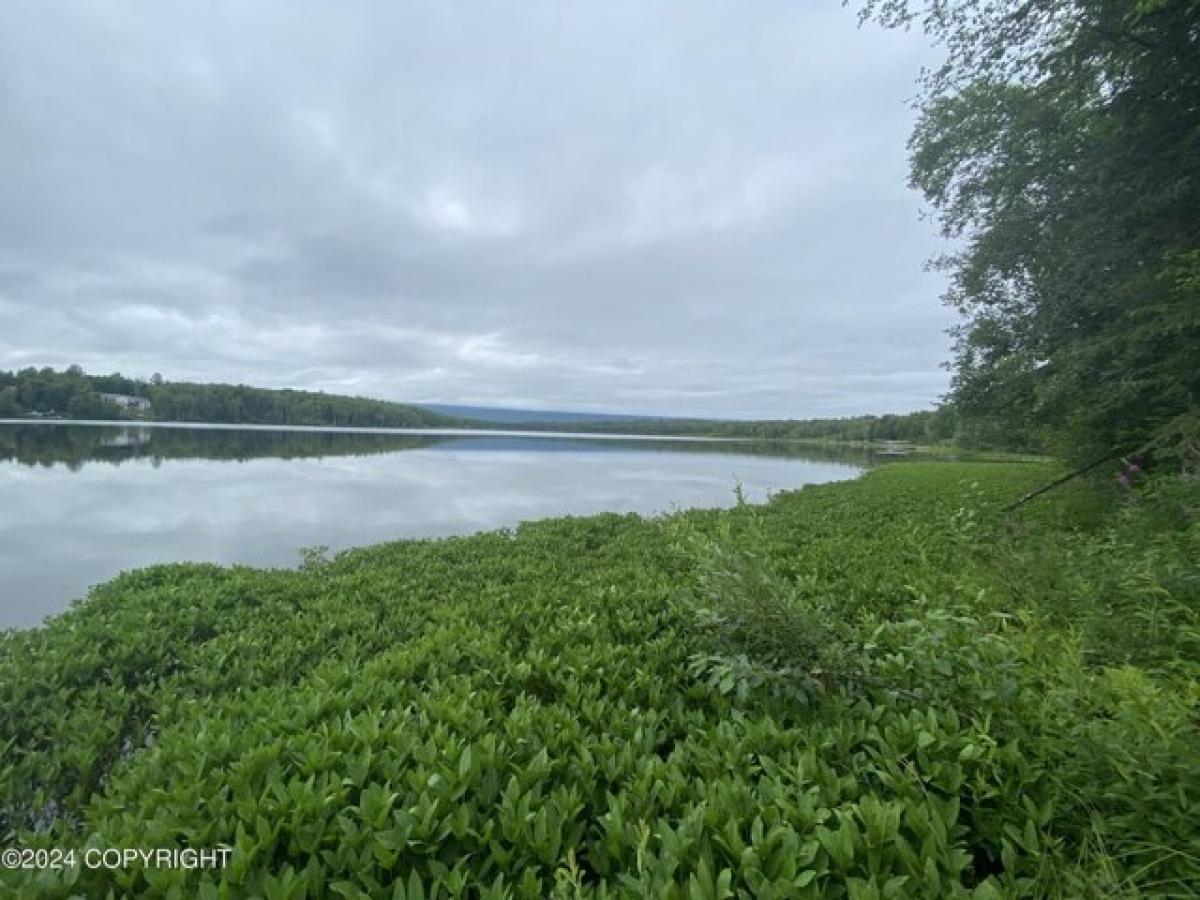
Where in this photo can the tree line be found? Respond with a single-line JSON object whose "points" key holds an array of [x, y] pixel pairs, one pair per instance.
{"points": [[942, 425], [74, 394], [1059, 144]]}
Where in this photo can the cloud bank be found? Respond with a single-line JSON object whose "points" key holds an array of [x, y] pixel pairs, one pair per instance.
{"points": [[694, 209]]}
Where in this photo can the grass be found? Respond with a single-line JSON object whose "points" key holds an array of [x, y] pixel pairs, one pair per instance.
{"points": [[878, 688]]}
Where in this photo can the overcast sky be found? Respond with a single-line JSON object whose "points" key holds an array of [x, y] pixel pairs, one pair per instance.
{"points": [[683, 208]]}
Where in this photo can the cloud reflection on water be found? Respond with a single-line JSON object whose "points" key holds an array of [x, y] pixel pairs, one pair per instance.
{"points": [[65, 528]]}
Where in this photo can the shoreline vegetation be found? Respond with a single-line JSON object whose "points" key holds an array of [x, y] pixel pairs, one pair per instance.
{"points": [[46, 394], [875, 688]]}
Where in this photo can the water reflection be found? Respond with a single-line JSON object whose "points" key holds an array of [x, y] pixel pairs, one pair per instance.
{"points": [[50, 443], [78, 504]]}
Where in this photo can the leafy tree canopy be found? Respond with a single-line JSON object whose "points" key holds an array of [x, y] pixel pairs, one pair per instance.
{"points": [[74, 394], [1059, 143]]}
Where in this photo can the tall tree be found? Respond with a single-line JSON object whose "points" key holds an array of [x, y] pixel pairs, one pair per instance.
{"points": [[1060, 144]]}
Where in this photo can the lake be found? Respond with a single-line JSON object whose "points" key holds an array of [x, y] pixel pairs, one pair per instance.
{"points": [[80, 503]]}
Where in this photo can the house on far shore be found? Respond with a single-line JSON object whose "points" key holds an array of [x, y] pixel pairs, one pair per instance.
{"points": [[128, 401], [895, 448]]}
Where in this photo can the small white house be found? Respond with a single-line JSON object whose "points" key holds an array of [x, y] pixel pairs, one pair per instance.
{"points": [[128, 401]]}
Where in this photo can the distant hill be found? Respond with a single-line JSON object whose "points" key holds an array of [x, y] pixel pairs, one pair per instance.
{"points": [[73, 394], [507, 416]]}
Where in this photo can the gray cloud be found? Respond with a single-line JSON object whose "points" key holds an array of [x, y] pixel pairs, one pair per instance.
{"points": [[650, 207]]}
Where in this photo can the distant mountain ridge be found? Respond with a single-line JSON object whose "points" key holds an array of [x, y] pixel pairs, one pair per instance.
{"points": [[510, 416]]}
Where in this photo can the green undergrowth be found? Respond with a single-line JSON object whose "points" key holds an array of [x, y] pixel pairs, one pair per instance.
{"points": [[882, 688]]}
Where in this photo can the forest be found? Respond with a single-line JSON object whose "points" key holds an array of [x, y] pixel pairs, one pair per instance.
{"points": [[1058, 145], [74, 394], [927, 427]]}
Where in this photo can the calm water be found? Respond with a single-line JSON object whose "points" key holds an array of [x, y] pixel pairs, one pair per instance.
{"points": [[80, 503]]}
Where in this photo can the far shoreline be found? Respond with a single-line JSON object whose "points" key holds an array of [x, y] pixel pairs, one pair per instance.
{"points": [[357, 429], [898, 449]]}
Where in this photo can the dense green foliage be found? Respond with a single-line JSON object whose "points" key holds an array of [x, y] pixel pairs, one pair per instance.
{"points": [[878, 688], [187, 402], [73, 394], [43, 391], [1060, 144]]}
